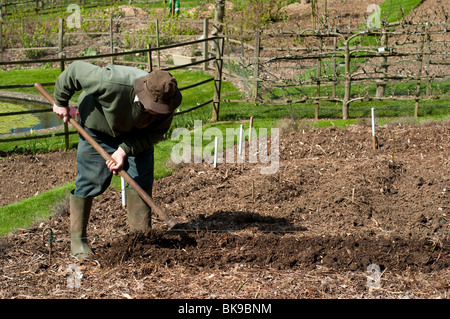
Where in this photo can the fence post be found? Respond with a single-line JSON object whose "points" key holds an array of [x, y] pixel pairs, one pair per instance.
{"points": [[157, 44], [1, 38], [149, 58], [319, 71], [256, 65], [217, 79], [384, 67], [419, 75], [334, 66], [427, 59], [313, 13], [347, 78], [205, 44], [62, 56], [111, 35], [61, 36]]}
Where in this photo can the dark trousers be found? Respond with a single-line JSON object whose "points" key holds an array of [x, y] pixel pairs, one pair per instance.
{"points": [[94, 177]]}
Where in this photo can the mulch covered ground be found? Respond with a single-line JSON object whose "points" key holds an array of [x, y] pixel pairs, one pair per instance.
{"points": [[333, 210]]}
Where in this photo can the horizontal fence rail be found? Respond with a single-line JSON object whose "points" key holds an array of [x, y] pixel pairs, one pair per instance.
{"points": [[330, 63], [217, 43], [414, 53]]}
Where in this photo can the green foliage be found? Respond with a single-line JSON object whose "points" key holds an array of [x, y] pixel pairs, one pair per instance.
{"points": [[140, 38], [98, 23], [89, 52], [260, 12]]}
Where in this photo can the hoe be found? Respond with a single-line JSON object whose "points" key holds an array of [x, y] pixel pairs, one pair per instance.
{"points": [[171, 223]]}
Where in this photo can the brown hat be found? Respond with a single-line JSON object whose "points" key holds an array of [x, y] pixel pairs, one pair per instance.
{"points": [[158, 91]]}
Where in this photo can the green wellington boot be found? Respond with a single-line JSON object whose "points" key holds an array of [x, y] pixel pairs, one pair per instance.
{"points": [[80, 209], [138, 211]]}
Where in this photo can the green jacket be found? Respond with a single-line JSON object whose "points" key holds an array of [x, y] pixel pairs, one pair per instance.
{"points": [[107, 104]]}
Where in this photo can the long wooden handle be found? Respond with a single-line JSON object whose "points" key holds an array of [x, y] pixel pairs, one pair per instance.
{"points": [[170, 222]]}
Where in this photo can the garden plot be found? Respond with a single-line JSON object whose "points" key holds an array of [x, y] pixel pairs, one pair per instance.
{"points": [[335, 209]]}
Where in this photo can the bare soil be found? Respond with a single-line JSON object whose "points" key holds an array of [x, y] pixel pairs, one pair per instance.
{"points": [[334, 208], [30, 175]]}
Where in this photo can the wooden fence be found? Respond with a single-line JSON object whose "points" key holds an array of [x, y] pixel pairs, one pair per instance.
{"points": [[324, 59], [9, 7], [331, 63], [215, 57], [116, 33]]}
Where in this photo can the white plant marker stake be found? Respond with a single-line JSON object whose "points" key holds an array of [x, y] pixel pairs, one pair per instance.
{"points": [[124, 196], [373, 129], [216, 146], [241, 136], [250, 129]]}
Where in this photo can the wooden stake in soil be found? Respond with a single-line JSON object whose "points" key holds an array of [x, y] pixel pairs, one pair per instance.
{"points": [[393, 146], [253, 191], [50, 243]]}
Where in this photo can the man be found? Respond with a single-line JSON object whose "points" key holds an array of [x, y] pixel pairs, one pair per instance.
{"points": [[126, 110]]}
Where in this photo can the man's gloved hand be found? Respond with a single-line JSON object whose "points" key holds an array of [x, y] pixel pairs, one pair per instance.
{"points": [[119, 159]]}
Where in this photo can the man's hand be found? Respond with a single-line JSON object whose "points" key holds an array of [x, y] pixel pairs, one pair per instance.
{"points": [[118, 160], [62, 112]]}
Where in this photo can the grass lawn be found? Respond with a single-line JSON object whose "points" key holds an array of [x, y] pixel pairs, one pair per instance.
{"points": [[31, 210]]}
